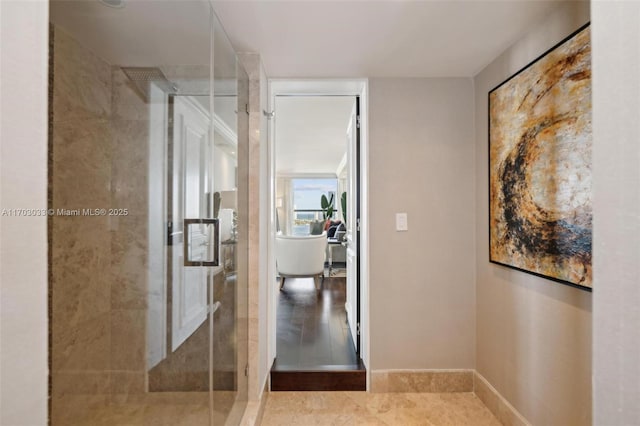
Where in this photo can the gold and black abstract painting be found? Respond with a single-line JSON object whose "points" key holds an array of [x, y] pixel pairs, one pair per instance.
{"points": [[540, 139]]}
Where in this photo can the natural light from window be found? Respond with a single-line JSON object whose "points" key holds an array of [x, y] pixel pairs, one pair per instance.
{"points": [[306, 201]]}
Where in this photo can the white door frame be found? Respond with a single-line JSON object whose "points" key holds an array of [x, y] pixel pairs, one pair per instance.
{"points": [[321, 87]]}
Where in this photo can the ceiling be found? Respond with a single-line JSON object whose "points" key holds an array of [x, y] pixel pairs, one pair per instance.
{"points": [[377, 38], [142, 33], [311, 133], [309, 38]]}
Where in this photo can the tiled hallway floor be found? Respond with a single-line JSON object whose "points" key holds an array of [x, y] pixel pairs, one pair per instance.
{"points": [[384, 409]]}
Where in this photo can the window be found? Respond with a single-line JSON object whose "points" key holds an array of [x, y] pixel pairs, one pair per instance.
{"points": [[306, 201]]}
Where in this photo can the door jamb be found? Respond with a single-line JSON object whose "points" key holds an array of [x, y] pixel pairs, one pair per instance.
{"points": [[321, 87]]}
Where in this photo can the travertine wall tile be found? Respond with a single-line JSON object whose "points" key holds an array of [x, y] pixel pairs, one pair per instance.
{"points": [[129, 264], [80, 244], [82, 383], [83, 346], [127, 102], [81, 164], [82, 88], [128, 382], [80, 266], [130, 165], [127, 346]]}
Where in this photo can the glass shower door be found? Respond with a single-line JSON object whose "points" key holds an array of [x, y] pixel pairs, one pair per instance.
{"points": [[147, 244]]}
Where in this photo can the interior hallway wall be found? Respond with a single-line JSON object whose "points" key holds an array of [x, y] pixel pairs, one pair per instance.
{"points": [[616, 164], [533, 335], [23, 240], [422, 290]]}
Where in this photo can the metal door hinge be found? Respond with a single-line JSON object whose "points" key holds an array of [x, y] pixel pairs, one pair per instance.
{"points": [[246, 370], [358, 224], [358, 328], [358, 121], [246, 108]]}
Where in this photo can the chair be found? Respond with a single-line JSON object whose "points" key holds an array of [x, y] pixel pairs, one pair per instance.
{"points": [[300, 256]]}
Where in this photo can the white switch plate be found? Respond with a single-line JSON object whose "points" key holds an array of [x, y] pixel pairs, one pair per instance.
{"points": [[402, 223]]}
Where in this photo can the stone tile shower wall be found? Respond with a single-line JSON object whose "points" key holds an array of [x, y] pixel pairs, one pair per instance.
{"points": [[99, 263]]}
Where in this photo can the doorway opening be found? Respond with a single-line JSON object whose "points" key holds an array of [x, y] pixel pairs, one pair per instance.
{"points": [[316, 305]]}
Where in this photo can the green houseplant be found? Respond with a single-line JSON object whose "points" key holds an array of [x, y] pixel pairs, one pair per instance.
{"points": [[327, 206], [343, 204]]}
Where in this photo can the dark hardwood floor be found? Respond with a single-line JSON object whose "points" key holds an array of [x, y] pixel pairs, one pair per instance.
{"points": [[315, 349]]}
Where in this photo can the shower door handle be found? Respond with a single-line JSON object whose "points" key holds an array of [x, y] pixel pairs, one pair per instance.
{"points": [[188, 242]]}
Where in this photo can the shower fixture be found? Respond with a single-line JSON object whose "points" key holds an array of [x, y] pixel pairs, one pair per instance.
{"points": [[142, 77], [118, 4]]}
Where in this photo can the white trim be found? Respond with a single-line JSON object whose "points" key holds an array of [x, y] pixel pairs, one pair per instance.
{"points": [[325, 87], [229, 136], [342, 165]]}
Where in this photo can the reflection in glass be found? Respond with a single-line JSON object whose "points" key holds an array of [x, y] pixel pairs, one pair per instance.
{"points": [[141, 122]]}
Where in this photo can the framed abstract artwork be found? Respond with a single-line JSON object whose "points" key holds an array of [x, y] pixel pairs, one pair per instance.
{"points": [[540, 139]]}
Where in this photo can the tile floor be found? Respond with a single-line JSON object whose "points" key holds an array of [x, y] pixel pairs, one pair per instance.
{"points": [[362, 408]]}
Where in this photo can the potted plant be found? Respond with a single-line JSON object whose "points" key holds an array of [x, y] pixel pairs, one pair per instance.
{"points": [[326, 204]]}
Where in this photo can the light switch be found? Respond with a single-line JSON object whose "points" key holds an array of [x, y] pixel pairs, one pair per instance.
{"points": [[401, 222]]}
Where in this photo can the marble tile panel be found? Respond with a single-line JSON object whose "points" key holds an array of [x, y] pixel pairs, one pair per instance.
{"points": [[379, 381], [81, 383], [253, 359], [130, 165], [428, 381], [81, 164], [128, 339], [163, 398], [76, 410], [80, 271], [85, 346], [129, 263], [251, 63], [488, 397], [254, 98], [127, 102], [505, 412], [127, 382], [82, 81]]}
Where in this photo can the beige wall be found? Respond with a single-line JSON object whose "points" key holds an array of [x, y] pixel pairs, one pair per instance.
{"points": [[421, 153], [616, 164], [533, 335], [23, 241]]}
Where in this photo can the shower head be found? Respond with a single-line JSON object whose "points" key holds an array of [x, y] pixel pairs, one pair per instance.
{"points": [[142, 77]]}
